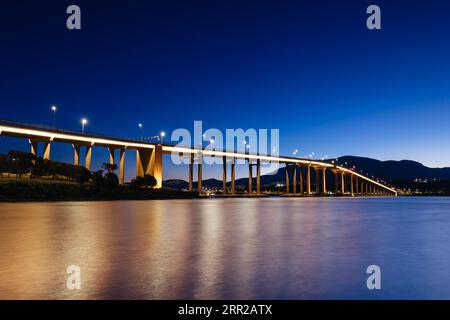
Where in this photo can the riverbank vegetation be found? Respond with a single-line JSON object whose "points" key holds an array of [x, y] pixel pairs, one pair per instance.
{"points": [[25, 177]]}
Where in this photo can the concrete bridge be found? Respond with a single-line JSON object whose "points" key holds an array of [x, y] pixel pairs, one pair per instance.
{"points": [[149, 161]]}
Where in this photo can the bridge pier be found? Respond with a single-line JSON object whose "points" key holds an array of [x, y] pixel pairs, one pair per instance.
{"points": [[76, 154], [224, 175], [47, 150], [324, 181], [233, 175], [336, 182], [250, 178], [300, 177], [142, 162], [258, 176], [122, 166], [351, 185], [287, 179], [342, 183], [308, 179], [317, 173], [294, 179], [149, 161], [199, 173], [191, 171], [33, 146], [156, 164], [111, 156], [87, 160]]}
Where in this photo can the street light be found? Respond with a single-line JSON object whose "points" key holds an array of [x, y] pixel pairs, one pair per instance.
{"points": [[162, 136], [140, 128], [83, 123], [53, 108]]}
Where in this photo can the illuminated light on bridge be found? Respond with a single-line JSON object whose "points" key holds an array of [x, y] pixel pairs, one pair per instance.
{"points": [[149, 161]]}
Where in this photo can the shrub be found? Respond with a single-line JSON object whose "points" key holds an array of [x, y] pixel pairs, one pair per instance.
{"points": [[145, 181], [97, 178], [82, 175], [111, 180]]}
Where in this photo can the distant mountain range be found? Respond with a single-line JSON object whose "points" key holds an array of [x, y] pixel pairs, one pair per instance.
{"points": [[404, 170], [396, 170]]}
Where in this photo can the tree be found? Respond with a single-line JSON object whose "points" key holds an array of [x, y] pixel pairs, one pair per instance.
{"points": [[137, 182], [97, 178], [38, 168], [110, 167], [82, 175], [20, 162], [150, 181], [111, 180], [4, 164], [145, 181]]}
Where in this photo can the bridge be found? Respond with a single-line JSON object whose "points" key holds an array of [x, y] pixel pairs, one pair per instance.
{"points": [[149, 160]]}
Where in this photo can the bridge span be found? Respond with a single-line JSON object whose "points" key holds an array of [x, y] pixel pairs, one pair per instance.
{"points": [[149, 161]]}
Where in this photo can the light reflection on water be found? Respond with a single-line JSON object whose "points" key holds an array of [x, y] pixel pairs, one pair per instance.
{"points": [[272, 248]]}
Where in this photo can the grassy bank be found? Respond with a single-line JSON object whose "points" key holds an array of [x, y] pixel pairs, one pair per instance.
{"points": [[55, 190]]}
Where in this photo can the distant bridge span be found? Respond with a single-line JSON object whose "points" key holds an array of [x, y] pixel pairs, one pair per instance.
{"points": [[149, 161]]}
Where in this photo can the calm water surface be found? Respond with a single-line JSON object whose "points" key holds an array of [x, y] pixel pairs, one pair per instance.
{"points": [[275, 248]]}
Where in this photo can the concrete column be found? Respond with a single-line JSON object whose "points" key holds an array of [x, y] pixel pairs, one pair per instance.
{"points": [[287, 179], [250, 178], [87, 160], [46, 150], [191, 171], [155, 168], [316, 170], [336, 182], [111, 155], [300, 179], [122, 166], [233, 175], [199, 179], [140, 163], [308, 179], [33, 146], [33, 151], [342, 183], [224, 175], [351, 184], [324, 181], [294, 179], [356, 185], [367, 188], [76, 155], [258, 176], [362, 186]]}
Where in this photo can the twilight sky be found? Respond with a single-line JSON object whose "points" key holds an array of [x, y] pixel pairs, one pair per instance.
{"points": [[310, 68]]}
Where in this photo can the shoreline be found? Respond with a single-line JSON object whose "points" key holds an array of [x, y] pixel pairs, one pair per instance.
{"points": [[44, 190]]}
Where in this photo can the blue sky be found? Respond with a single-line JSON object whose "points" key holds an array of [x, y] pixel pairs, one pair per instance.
{"points": [[309, 68]]}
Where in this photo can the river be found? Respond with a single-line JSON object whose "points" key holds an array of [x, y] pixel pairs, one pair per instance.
{"points": [[266, 248]]}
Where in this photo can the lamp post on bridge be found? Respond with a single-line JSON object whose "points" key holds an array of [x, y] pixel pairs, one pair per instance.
{"points": [[53, 108], [140, 129], [84, 122]]}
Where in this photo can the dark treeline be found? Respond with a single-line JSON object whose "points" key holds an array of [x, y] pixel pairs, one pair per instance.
{"points": [[19, 163]]}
